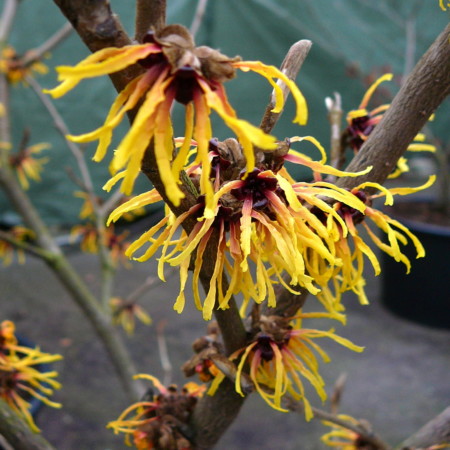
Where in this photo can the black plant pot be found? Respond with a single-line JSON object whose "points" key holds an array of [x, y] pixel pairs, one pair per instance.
{"points": [[423, 295]]}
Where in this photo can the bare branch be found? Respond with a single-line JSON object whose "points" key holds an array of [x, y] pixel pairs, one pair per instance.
{"points": [[198, 16], [99, 28], [25, 246], [163, 352], [435, 432], [17, 433], [150, 14], [7, 19], [336, 395], [61, 126], [37, 53], [290, 67], [362, 428]]}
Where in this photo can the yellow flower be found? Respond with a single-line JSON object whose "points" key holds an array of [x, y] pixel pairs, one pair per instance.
{"points": [[342, 437], [444, 5], [281, 356], [351, 248], [124, 313], [16, 71], [259, 217], [362, 122], [174, 70], [8, 250], [7, 335], [87, 209], [155, 422], [89, 241], [20, 376], [27, 166]]}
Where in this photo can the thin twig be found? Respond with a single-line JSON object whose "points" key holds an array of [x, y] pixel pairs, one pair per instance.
{"points": [[163, 353], [54, 257], [26, 246], [366, 434], [336, 395], [198, 17], [145, 286], [37, 53], [61, 126], [111, 202], [5, 124], [106, 263], [290, 67], [7, 19], [334, 107], [410, 50], [435, 432]]}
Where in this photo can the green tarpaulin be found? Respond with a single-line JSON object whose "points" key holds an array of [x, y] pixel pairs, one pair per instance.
{"points": [[353, 43]]}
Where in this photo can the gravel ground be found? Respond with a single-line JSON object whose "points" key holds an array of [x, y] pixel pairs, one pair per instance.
{"points": [[398, 383]]}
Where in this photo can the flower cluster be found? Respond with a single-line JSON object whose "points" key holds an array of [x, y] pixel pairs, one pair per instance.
{"points": [[250, 226], [21, 375], [12, 247], [362, 122], [89, 238], [281, 356], [173, 70], [125, 312], [14, 67], [351, 248], [158, 420], [260, 217], [343, 438], [27, 166]]}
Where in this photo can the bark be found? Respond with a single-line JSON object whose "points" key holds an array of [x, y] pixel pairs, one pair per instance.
{"points": [[17, 433], [99, 28], [150, 14], [435, 432]]}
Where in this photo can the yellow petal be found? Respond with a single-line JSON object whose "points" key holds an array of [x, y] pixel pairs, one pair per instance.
{"points": [[370, 91], [271, 72]]}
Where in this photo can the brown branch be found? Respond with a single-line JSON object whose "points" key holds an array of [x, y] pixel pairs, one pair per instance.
{"points": [[150, 14], [421, 94], [99, 28], [287, 303], [17, 433], [291, 66], [435, 432]]}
